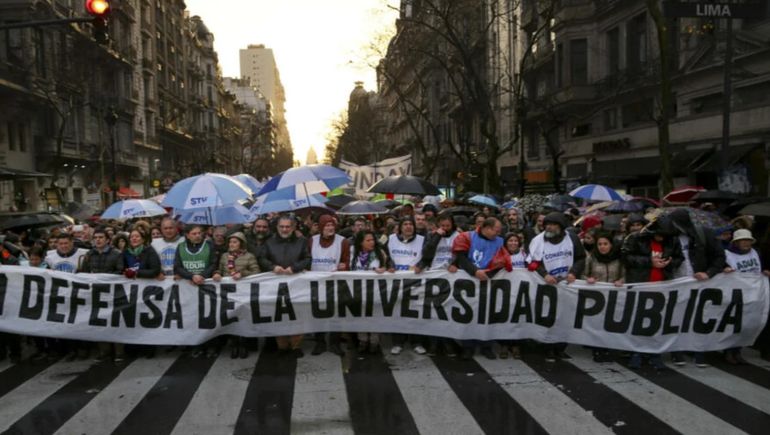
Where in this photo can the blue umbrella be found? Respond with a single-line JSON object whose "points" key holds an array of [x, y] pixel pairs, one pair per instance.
{"points": [[483, 200], [312, 179], [596, 192], [250, 182], [206, 191], [287, 199], [231, 214], [133, 208]]}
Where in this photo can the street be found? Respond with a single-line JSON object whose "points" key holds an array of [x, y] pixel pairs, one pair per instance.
{"points": [[405, 394]]}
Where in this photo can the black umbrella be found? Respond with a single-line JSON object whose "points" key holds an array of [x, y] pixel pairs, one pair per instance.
{"points": [[79, 211], [338, 201], [388, 203], [715, 196], [759, 209], [32, 220], [461, 210], [404, 185], [736, 206], [362, 208]]}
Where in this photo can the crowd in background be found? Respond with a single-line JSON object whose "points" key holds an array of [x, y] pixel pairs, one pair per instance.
{"points": [[560, 246]]}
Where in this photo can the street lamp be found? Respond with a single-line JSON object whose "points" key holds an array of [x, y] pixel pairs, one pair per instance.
{"points": [[111, 118]]}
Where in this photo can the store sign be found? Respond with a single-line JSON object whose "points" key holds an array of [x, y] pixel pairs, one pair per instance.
{"points": [[612, 146], [713, 10]]}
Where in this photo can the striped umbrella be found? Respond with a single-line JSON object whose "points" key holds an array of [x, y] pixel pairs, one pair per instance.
{"points": [[133, 208], [288, 199], [596, 192], [231, 214], [311, 178]]}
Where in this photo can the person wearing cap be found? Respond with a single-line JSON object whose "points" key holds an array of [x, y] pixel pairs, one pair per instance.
{"points": [[237, 263], [330, 252], [556, 254]]}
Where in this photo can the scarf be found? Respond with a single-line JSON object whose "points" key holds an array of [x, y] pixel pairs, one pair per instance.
{"points": [[609, 257], [231, 257], [132, 256], [365, 259]]}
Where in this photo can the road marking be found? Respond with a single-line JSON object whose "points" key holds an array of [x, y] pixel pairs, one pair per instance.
{"points": [[735, 387]]}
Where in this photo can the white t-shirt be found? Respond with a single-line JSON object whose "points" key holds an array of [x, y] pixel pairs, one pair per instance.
{"points": [[326, 259], [167, 252], [557, 259], [686, 268], [65, 264], [405, 255], [745, 263], [443, 257]]}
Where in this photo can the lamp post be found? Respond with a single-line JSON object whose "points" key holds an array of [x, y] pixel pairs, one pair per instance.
{"points": [[111, 118]]}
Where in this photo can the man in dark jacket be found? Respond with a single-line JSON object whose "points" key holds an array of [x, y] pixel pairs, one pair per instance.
{"points": [[102, 258], [257, 235], [285, 254]]}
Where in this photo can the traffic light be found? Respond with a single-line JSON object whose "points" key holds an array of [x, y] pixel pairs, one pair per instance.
{"points": [[99, 9]]}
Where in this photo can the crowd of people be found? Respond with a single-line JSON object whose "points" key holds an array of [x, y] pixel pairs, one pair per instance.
{"points": [[559, 246]]}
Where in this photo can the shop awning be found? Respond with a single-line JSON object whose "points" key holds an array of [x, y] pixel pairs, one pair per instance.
{"points": [[14, 174], [125, 193]]}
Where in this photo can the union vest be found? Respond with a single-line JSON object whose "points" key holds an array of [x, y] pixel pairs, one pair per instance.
{"points": [[747, 263], [326, 259], [557, 259], [194, 263], [443, 257], [405, 255], [65, 264], [166, 251], [483, 250]]}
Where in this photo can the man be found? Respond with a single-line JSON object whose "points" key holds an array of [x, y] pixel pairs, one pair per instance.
{"points": [[330, 252], [437, 255], [704, 257], [557, 255], [166, 246], [405, 250], [285, 253], [430, 211], [481, 253], [257, 235], [103, 258], [66, 257], [512, 223], [195, 260], [219, 242], [81, 236], [420, 224]]}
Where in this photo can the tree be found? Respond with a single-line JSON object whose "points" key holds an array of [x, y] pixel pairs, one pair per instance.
{"points": [[666, 96]]}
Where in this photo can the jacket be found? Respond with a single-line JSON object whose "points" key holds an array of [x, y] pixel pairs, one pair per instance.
{"points": [[705, 253], [149, 263], [429, 248], [285, 252], [604, 271], [109, 261], [637, 256], [246, 264]]}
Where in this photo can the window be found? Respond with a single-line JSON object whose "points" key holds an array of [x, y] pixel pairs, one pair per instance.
{"points": [[578, 55], [636, 43], [11, 136], [533, 148], [638, 112], [610, 119], [22, 138], [581, 130], [613, 51], [559, 65]]}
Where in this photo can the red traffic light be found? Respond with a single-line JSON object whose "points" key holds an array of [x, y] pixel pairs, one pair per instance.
{"points": [[98, 8]]}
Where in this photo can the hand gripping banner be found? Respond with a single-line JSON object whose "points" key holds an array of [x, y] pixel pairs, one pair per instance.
{"points": [[726, 311]]}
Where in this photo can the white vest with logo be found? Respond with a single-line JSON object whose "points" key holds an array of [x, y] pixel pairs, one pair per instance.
{"points": [[167, 252], [326, 259], [557, 259], [405, 255], [443, 257], [65, 264], [519, 260], [747, 263]]}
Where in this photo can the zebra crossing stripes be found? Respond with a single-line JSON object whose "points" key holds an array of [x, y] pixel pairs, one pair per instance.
{"points": [[732, 386], [539, 398], [211, 410], [664, 405], [320, 404], [113, 403], [429, 398], [27, 396]]}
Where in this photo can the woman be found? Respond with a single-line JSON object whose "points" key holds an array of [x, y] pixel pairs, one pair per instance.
{"points": [[120, 241], [156, 233], [368, 255], [237, 263], [604, 265], [513, 245], [141, 261]]}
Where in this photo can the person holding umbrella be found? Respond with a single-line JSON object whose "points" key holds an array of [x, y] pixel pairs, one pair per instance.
{"points": [[285, 253]]}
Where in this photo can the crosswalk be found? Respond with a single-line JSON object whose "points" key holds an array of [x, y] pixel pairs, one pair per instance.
{"points": [[383, 394]]}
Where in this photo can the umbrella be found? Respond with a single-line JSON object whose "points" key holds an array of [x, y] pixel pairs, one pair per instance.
{"points": [[287, 199], [133, 208], [461, 210], [79, 211], [706, 219], [735, 208], [483, 200], [596, 192], [339, 201], [231, 214], [630, 206], [158, 198], [250, 182], [313, 178], [405, 185], [388, 203], [612, 222], [682, 195], [510, 204], [33, 220], [758, 209], [206, 191], [362, 207], [532, 202], [715, 196]]}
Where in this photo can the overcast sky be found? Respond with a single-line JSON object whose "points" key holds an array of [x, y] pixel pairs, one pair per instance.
{"points": [[318, 45]]}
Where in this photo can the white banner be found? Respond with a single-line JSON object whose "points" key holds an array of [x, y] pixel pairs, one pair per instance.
{"points": [[724, 312], [365, 176]]}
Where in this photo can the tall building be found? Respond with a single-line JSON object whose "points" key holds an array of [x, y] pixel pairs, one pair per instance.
{"points": [[257, 131], [258, 65], [312, 157]]}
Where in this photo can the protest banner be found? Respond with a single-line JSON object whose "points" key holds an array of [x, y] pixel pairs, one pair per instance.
{"points": [[365, 176], [724, 312]]}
